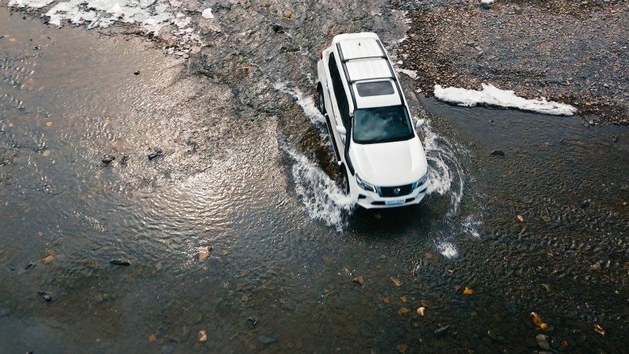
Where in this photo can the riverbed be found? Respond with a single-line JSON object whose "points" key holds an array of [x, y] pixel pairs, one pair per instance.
{"points": [[161, 202]]}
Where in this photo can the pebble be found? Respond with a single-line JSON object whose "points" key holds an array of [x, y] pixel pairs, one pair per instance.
{"points": [[277, 28], [154, 154], [542, 341], [137, 72], [251, 322]]}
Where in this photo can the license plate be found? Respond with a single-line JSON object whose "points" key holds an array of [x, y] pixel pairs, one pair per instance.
{"points": [[394, 202]]}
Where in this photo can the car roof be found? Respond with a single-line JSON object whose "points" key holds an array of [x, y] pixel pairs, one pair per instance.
{"points": [[364, 60]]}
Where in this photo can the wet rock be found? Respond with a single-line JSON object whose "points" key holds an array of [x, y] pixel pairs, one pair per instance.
{"points": [[46, 296], [120, 262], [155, 154], [107, 159], [359, 280], [251, 322], [614, 139], [29, 266], [277, 28], [554, 342], [585, 204], [542, 341], [441, 331], [266, 340], [497, 153]]}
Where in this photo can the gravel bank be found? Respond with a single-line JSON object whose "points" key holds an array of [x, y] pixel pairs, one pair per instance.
{"points": [[571, 52]]}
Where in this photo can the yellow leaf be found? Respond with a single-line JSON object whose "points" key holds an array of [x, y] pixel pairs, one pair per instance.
{"points": [[202, 336], [519, 218], [421, 311], [152, 338], [386, 300], [403, 311], [403, 298], [48, 258], [402, 348], [468, 291], [537, 319], [396, 281], [599, 329]]}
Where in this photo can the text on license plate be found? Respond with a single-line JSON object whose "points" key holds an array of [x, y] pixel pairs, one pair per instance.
{"points": [[394, 202]]}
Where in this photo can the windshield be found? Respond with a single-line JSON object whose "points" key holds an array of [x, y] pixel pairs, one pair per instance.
{"points": [[382, 124]]}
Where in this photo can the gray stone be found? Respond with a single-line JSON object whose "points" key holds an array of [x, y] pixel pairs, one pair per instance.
{"points": [[542, 341]]}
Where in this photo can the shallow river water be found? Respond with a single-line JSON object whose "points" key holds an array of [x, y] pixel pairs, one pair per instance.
{"points": [[243, 166]]}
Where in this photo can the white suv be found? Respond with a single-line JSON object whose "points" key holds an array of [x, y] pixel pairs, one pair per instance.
{"points": [[367, 115]]}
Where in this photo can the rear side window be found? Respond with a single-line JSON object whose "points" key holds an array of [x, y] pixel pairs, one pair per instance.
{"points": [[339, 91], [376, 88]]}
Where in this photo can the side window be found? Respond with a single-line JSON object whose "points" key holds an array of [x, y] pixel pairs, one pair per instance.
{"points": [[339, 92]]}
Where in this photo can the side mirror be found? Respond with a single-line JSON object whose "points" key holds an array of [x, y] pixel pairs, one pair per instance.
{"points": [[341, 129], [420, 123]]}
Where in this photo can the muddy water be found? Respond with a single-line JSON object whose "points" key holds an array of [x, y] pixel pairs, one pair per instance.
{"points": [[245, 168]]}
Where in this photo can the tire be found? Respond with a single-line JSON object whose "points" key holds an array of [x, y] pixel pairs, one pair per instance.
{"points": [[320, 100], [344, 184]]}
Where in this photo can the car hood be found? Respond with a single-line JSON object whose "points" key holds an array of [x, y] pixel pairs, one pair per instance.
{"points": [[390, 164]]}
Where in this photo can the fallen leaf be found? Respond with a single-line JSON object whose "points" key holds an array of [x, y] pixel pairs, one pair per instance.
{"points": [[599, 329], [468, 291], [202, 336], [386, 300], [49, 124], [45, 153], [48, 258], [519, 218], [421, 310], [537, 319], [152, 338], [396, 281], [245, 298], [359, 280], [402, 348], [403, 310], [403, 298], [546, 218]]}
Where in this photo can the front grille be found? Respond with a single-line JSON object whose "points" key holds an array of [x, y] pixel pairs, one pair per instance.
{"points": [[391, 191]]}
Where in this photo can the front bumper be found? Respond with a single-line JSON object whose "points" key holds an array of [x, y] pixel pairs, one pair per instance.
{"points": [[371, 200]]}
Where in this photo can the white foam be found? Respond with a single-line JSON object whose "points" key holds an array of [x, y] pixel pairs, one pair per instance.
{"points": [[445, 172], [306, 103], [447, 249], [319, 194], [471, 225], [493, 96]]}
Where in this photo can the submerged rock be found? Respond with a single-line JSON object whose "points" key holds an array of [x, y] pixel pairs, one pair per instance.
{"points": [[542, 341], [266, 340], [120, 262], [497, 153]]}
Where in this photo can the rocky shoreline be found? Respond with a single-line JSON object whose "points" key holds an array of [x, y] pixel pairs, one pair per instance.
{"points": [[570, 52]]}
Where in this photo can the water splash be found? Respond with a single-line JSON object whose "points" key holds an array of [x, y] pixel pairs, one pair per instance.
{"points": [[322, 199], [445, 171], [447, 249], [307, 103]]}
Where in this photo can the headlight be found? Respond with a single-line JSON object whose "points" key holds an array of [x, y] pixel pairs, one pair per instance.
{"points": [[364, 185], [421, 181]]}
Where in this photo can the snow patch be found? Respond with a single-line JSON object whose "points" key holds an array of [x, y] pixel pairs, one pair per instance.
{"points": [[493, 96], [35, 4], [410, 73]]}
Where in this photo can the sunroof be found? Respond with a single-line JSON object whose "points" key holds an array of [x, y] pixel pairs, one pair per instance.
{"points": [[374, 88]]}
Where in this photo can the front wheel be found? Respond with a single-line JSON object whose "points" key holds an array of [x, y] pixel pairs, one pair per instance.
{"points": [[320, 100]]}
